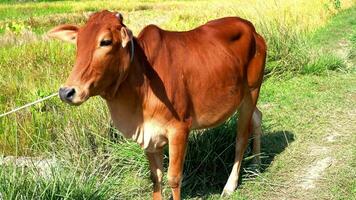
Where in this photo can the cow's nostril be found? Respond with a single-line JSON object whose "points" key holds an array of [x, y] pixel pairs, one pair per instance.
{"points": [[66, 94], [70, 93]]}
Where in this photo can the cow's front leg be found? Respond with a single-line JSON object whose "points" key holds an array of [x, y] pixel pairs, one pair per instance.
{"points": [[155, 160], [177, 141]]}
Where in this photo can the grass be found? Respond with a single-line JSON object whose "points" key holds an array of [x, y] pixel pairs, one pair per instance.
{"points": [[330, 38], [309, 108], [309, 88], [324, 63], [284, 36]]}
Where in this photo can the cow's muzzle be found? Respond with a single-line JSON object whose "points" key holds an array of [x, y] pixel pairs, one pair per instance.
{"points": [[67, 94]]}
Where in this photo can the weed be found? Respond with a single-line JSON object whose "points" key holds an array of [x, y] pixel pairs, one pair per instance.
{"points": [[324, 63]]}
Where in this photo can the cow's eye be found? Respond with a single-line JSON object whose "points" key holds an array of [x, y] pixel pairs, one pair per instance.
{"points": [[104, 43]]}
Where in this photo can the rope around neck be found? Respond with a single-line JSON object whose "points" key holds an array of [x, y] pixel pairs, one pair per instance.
{"points": [[132, 50], [28, 105]]}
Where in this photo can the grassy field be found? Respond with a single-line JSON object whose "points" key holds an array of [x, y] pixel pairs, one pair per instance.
{"points": [[308, 100]]}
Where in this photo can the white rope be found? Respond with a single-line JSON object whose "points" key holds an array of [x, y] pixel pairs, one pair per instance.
{"points": [[29, 104]]}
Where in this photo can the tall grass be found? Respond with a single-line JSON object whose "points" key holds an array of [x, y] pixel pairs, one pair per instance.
{"points": [[284, 24], [113, 177], [89, 165]]}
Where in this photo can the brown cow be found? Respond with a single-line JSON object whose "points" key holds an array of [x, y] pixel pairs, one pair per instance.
{"points": [[162, 84]]}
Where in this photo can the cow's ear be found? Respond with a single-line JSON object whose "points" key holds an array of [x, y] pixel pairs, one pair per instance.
{"points": [[65, 32], [126, 36]]}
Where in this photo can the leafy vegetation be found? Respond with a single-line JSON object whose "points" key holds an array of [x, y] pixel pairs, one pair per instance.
{"points": [[309, 87]]}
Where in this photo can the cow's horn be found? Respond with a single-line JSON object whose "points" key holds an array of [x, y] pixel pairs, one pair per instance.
{"points": [[119, 16], [87, 15]]}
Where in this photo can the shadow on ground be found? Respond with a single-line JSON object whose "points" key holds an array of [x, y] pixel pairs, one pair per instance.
{"points": [[210, 157]]}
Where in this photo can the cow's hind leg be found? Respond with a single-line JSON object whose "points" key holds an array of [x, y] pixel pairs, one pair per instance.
{"points": [[156, 166], [245, 113], [255, 71], [256, 128], [256, 123]]}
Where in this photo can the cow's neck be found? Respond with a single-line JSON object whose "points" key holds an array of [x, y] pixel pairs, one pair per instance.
{"points": [[126, 105]]}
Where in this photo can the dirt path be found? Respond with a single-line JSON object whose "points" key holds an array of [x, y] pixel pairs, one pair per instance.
{"points": [[328, 156]]}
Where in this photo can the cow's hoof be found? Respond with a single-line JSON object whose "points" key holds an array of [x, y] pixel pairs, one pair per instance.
{"points": [[255, 168]]}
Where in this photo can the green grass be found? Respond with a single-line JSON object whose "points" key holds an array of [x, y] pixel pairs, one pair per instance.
{"points": [[339, 35], [323, 64], [341, 26], [308, 92], [310, 108]]}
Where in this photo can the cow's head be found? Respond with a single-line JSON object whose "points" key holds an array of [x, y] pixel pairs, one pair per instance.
{"points": [[104, 53]]}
